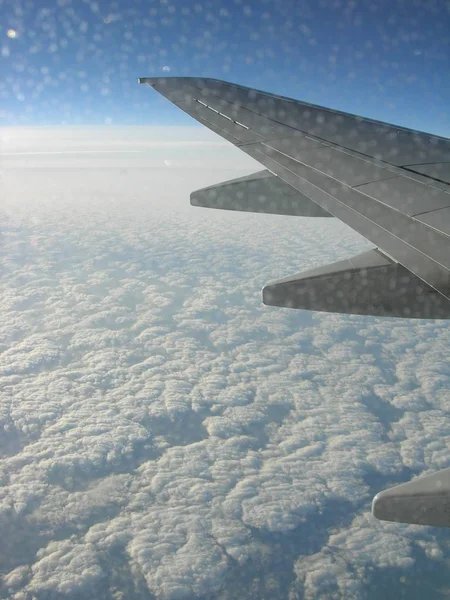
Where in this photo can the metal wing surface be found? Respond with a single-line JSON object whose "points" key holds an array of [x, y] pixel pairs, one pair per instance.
{"points": [[390, 184]]}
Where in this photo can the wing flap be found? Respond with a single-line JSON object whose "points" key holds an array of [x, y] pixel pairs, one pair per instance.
{"points": [[259, 192], [439, 219], [422, 501], [368, 284], [406, 195], [437, 171], [332, 161]]}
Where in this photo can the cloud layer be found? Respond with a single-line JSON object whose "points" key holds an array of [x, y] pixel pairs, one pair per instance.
{"points": [[163, 434]]}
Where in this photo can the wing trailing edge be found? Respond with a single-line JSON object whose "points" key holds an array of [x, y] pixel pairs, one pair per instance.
{"points": [[367, 284]]}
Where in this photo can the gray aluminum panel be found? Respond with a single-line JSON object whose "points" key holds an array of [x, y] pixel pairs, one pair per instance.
{"points": [[423, 501], [424, 239], [221, 132], [243, 135], [368, 284], [260, 192], [367, 260], [396, 145], [264, 126], [438, 171], [191, 93], [296, 145], [336, 163], [439, 219], [415, 176], [406, 195], [345, 130], [420, 264]]}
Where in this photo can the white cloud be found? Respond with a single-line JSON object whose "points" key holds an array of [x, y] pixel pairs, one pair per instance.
{"points": [[67, 568], [159, 426]]}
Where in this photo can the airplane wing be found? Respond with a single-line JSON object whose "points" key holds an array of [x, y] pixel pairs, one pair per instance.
{"points": [[388, 183]]}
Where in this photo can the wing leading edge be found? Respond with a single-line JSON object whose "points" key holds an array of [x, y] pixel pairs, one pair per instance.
{"points": [[388, 183]]}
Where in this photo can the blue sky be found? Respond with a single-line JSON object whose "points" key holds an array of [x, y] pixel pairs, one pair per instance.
{"points": [[77, 62]]}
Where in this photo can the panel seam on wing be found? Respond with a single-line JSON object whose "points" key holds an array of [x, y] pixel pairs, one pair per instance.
{"points": [[446, 294]]}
